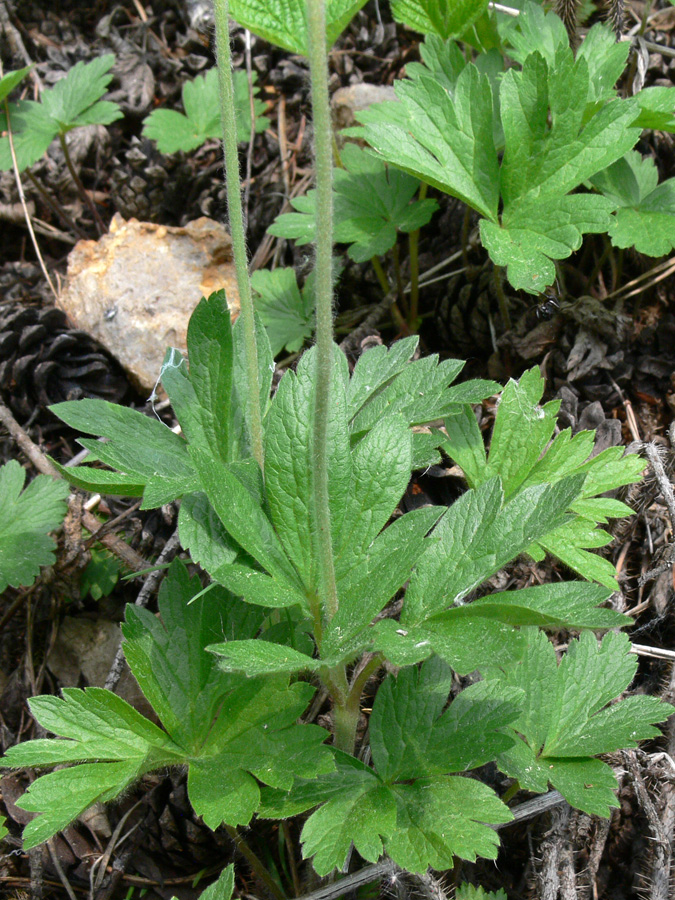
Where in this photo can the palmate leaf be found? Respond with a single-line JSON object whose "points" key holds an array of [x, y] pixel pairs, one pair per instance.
{"points": [[282, 22], [26, 518], [230, 732], [550, 149], [74, 100], [371, 204], [560, 124], [566, 721], [174, 131], [521, 455], [645, 210], [408, 805], [286, 312], [444, 138]]}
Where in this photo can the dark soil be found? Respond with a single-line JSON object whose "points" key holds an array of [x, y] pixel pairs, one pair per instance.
{"points": [[606, 348]]}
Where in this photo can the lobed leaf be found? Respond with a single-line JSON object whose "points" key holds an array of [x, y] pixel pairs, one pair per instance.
{"points": [[26, 518]]}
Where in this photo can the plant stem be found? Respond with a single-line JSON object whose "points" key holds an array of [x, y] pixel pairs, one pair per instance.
{"points": [[413, 251], [98, 221], [347, 715], [253, 860], [55, 208], [235, 214], [380, 273], [402, 299], [323, 138]]}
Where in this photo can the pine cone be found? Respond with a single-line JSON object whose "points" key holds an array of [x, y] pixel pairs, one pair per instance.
{"points": [[464, 313], [43, 361], [149, 186]]}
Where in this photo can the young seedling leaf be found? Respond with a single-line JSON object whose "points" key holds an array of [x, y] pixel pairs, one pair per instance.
{"points": [[371, 204], [174, 131], [645, 213], [74, 100], [286, 312], [26, 518], [566, 720]]}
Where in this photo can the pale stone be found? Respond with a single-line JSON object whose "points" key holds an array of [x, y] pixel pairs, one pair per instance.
{"points": [[135, 288], [348, 100]]}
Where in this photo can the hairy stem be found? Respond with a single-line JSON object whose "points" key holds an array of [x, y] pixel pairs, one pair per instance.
{"points": [[235, 215], [323, 137]]}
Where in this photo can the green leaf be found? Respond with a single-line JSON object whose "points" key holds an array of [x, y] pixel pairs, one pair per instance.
{"points": [[419, 818], [566, 720], [141, 447], [203, 534], [646, 210], [33, 131], [521, 454], [255, 737], [657, 108], [174, 131], [26, 518], [289, 463], [75, 97], [533, 31], [244, 519], [74, 100], [550, 149], [375, 369], [100, 575], [445, 18], [231, 733], [371, 204], [117, 744], [101, 481], [468, 891], [282, 22], [441, 818], [181, 680], [221, 889], [478, 535], [209, 345], [240, 447], [256, 657], [430, 741], [285, 311], [10, 80], [443, 138], [373, 579]]}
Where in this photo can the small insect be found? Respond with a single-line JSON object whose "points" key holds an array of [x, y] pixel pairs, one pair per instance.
{"points": [[548, 306]]}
